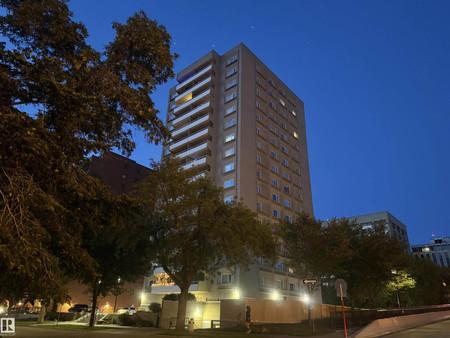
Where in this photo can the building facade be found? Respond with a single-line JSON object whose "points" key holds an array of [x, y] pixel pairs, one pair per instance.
{"points": [[438, 251], [234, 119]]}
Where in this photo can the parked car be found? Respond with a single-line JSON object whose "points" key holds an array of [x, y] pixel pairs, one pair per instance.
{"points": [[79, 308], [129, 310]]}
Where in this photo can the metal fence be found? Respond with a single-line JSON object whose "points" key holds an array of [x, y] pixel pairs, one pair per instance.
{"points": [[358, 318]]}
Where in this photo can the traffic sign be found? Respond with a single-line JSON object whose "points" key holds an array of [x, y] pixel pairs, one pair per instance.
{"points": [[309, 281]]}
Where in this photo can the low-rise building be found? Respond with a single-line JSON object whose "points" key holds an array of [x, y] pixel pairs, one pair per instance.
{"points": [[438, 251]]}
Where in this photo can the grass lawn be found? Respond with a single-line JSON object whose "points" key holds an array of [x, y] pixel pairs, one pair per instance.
{"points": [[25, 322], [75, 327]]}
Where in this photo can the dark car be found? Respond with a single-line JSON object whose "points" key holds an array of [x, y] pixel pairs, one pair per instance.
{"points": [[79, 308]]}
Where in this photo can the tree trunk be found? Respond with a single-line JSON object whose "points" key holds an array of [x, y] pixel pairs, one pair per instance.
{"points": [[95, 292], [42, 313], [182, 304]]}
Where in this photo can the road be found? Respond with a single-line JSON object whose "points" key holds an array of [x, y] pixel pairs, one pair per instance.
{"points": [[436, 330]]}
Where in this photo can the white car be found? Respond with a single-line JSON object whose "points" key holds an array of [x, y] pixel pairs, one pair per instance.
{"points": [[129, 310]]}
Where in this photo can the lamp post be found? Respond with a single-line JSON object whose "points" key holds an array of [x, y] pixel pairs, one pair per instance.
{"points": [[117, 293]]}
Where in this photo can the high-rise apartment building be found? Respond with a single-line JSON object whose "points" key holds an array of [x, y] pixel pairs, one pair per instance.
{"points": [[231, 116]]}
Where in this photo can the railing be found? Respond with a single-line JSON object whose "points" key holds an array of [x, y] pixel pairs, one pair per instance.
{"points": [[357, 318]]}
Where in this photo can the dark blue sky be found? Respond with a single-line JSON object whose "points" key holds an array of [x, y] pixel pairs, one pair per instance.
{"points": [[374, 76]]}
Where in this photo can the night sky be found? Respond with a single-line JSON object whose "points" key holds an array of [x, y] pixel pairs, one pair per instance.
{"points": [[374, 77]]}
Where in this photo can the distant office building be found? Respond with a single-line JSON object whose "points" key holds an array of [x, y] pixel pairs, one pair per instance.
{"points": [[117, 172], [438, 251], [235, 120], [393, 226]]}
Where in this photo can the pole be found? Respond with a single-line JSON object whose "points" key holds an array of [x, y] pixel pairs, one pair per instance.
{"points": [[343, 311]]}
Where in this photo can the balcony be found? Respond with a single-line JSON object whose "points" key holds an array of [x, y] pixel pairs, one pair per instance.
{"points": [[184, 96], [200, 286], [199, 150], [184, 84], [204, 120], [194, 163], [203, 96], [199, 109], [189, 139]]}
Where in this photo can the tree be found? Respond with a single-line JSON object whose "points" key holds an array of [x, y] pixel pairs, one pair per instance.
{"points": [[363, 257], [61, 100], [401, 280], [195, 231]]}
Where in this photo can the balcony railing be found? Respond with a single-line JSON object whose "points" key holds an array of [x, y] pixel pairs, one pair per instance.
{"points": [[198, 109], [192, 101], [196, 87], [201, 134], [192, 78], [192, 124], [197, 149]]}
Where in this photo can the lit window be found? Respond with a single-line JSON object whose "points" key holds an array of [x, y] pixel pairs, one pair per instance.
{"points": [[231, 60], [282, 103], [228, 199], [228, 183], [229, 152], [230, 97], [231, 84], [230, 123], [274, 168], [231, 72], [276, 213], [276, 198], [230, 110], [293, 113], [287, 204], [295, 135], [229, 137], [229, 167]]}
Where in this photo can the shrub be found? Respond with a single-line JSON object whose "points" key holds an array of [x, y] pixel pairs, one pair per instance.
{"points": [[126, 320], [155, 307]]}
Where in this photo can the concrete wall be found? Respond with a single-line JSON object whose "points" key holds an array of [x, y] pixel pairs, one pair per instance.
{"points": [[383, 326], [232, 311], [202, 312]]}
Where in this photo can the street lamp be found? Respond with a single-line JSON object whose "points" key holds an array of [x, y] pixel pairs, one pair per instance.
{"points": [[117, 293]]}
